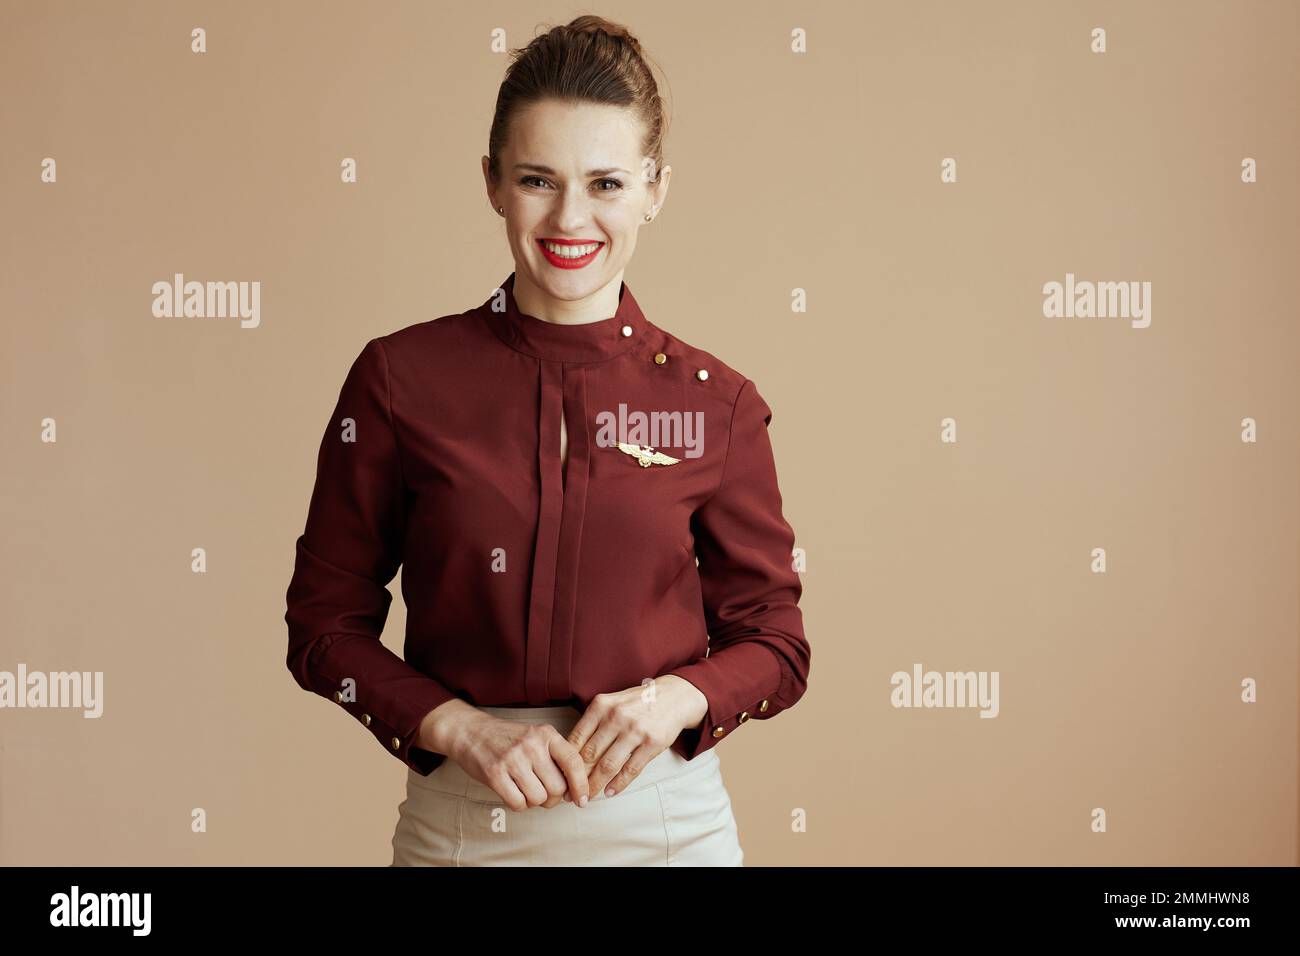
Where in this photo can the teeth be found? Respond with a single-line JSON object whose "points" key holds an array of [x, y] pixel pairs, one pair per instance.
{"points": [[570, 252]]}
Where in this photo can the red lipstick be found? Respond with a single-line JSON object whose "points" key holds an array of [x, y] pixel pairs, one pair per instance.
{"points": [[562, 262]]}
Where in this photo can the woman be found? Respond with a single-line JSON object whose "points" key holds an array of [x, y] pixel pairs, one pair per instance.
{"points": [[596, 569]]}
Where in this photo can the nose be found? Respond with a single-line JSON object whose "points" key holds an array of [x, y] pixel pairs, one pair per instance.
{"points": [[572, 211]]}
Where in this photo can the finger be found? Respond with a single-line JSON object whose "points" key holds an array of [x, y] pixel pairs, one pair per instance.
{"points": [[609, 764], [633, 767], [594, 752], [586, 725], [534, 792], [506, 789], [596, 745], [571, 764], [550, 773]]}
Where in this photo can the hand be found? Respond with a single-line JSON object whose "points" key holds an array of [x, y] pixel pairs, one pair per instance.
{"points": [[527, 765], [620, 733]]}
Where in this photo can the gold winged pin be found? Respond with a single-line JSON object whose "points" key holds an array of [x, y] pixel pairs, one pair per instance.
{"points": [[647, 456]]}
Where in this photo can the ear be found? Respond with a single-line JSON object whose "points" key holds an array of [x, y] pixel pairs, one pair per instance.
{"points": [[489, 185], [660, 189]]}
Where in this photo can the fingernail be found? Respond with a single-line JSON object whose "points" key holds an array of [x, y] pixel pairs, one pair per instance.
{"points": [[582, 800], [609, 791]]}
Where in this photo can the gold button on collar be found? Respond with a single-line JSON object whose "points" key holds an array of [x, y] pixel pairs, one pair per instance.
{"points": [[365, 719], [762, 708], [744, 716], [338, 697], [718, 731], [397, 743], [660, 358]]}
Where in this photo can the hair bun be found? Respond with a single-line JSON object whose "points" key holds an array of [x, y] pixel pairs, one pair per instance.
{"points": [[590, 23]]}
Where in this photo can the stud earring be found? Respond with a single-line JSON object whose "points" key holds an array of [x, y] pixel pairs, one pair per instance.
{"points": [[501, 209], [648, 217]]}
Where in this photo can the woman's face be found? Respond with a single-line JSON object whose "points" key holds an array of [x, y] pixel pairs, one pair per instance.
{"points": [[575, 189]]}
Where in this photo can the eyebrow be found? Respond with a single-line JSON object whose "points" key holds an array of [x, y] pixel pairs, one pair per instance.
{"points": [[550, 172]]}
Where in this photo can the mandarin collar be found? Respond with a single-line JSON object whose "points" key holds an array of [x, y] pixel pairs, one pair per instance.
{"points": [[588, 342]]}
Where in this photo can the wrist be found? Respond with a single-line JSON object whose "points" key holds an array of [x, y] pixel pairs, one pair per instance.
{"points": [[445, 728], [694, 706]]}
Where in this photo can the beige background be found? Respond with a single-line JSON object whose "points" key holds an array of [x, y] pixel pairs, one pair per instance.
{"points": [[820, 172]]}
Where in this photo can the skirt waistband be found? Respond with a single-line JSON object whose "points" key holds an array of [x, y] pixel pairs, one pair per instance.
{"points": [[449, 777], [546, 713]]}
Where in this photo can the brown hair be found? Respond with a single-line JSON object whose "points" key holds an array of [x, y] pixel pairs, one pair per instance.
{"points": [[589, 59]]}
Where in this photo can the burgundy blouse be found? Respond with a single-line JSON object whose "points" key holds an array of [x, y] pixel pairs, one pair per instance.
{"points": [[527, 583]]}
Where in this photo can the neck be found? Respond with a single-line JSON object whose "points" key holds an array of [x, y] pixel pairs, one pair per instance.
{"points": [[535, 301]]}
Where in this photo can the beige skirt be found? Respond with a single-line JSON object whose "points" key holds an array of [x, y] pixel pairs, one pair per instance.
{"points": [[675, 813]]}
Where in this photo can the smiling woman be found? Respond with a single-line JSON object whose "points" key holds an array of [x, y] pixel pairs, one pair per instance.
{"points": [[575, 165], [586, 620]]}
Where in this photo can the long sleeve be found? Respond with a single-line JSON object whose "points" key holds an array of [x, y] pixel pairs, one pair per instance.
{"points": [[758, 657], [338, 598]]}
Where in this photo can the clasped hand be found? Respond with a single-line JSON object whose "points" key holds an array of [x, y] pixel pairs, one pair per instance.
{"points": [[533, 765]]}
